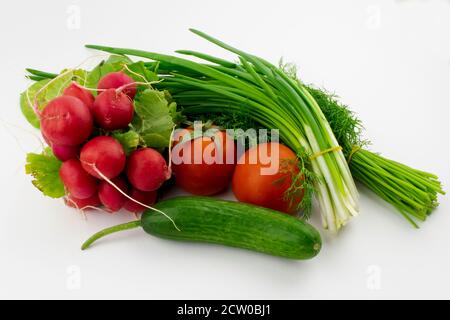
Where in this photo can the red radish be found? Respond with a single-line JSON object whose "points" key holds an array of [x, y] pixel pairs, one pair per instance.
{"points": [[147, 198], [93, 201], [113, 110], [110, 197], [104, 154], [78, 182], [81, 93], [66, 121], [117, 80], [147, 169], [65, 153]]}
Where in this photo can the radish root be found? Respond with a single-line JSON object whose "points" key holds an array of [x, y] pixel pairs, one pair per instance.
{"points": [[135, 73], [80, 210], [128, 197], [87, 88], [36, 97]]}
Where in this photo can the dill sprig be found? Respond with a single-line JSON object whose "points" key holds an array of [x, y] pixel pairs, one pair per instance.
{"points": [[347, 128], [303, 184]]}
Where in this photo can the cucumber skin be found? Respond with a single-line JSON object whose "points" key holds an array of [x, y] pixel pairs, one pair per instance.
{"points": [[234, 224]]}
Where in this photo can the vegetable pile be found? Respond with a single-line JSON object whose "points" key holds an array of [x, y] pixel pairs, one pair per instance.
{"points": [[112, 144], [262, 91], [102, 141]]}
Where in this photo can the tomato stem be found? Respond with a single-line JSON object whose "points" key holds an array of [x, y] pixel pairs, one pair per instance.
{"points": [[107, 231]]}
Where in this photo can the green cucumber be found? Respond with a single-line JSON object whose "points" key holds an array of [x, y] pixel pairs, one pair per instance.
{"points": [[234, 224]]}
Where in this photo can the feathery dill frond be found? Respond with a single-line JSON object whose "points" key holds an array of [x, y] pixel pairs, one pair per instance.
{"points": [[346, 127]]}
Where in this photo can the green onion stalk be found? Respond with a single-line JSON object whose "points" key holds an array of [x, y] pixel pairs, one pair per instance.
{"points": [[276, 101]]}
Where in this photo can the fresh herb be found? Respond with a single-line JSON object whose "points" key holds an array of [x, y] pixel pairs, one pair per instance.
{"points": [[346, 127]]}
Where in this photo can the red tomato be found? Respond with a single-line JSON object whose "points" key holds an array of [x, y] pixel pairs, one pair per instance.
{"points": [[200, 165], [251, 184]]}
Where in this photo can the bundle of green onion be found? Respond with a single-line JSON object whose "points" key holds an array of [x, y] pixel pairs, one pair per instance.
{"points": [[323, 132], [412, 192]]}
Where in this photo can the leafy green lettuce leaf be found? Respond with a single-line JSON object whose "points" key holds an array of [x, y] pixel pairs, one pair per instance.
{"points": [[45, 171], [153, 119], [27, 99]]}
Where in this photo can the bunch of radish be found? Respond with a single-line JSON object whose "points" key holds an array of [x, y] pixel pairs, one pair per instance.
{"points": [[96, 171]]}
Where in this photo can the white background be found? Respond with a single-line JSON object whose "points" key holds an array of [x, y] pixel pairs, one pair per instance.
{"points": [[389, 60]]}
